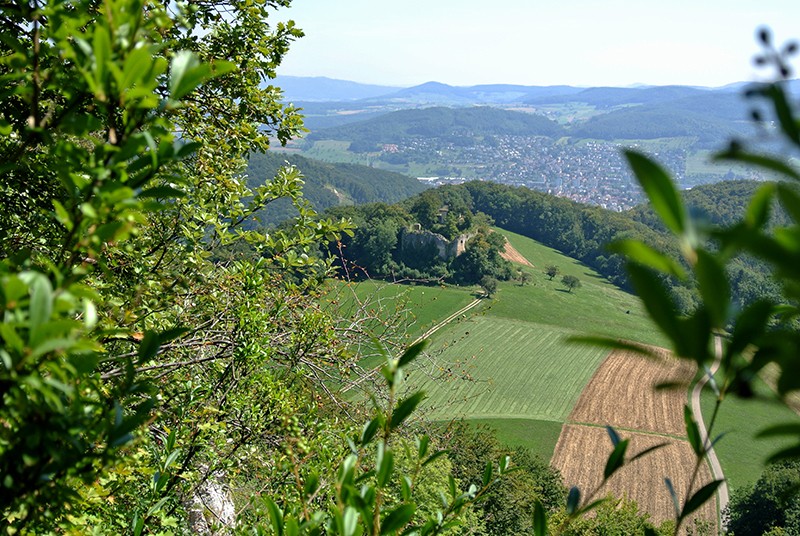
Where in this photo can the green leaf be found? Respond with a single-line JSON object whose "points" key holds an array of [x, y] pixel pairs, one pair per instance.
{"points": [[660, 190], [700, 497], [433, 457], [397, 518], [422, 446], [539, 519], [758, 210], [656, 300], [573, 500], [714, 288], [780, 430], [370, 429], [763, 161], [162, 192], [648, 450], [615, 344], [405, 408], [790, 201], [487, 473], [275, 516], [693, 431], [384, 465], [675, 503], [41, 304], [616, 459], [613, 435], [645, 255], [405, 488], [411, 353], [311, 485]]}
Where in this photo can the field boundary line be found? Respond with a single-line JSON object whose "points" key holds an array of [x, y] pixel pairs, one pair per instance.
{"points": [[425, 335], [449, 319], [723, 495], [626, 429]]}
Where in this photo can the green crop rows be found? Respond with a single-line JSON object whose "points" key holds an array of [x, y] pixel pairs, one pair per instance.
{"points": [[501, 368]]}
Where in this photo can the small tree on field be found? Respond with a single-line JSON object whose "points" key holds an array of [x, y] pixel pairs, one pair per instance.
{"points": [[551, 271], [489, 285], [571, 282], [525, 278]]}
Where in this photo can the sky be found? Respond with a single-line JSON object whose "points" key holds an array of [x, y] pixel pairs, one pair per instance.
{"points": [[532, 42]]}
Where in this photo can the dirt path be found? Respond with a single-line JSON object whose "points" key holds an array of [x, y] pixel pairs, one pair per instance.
{"points": [[511, 254], [723, 495], [447, 320]]}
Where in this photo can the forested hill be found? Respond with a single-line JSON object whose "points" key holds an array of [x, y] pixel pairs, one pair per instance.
{"points": [[328, 185], [442, 122], [580, 231]]}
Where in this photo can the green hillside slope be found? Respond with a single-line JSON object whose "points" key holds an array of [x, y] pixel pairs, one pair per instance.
{"points": [[328, 185]]}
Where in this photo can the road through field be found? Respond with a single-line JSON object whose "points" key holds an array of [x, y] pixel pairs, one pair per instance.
{"points": [[447, 320], [716, 468]]}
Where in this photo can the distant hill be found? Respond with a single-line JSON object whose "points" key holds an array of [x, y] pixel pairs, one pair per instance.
{"points": [[441, 122], [607, 97], [328, 185], [320, 88], [443, 94], [663, 121]]}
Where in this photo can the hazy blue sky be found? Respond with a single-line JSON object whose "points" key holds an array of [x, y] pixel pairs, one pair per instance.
{"points": [[578, 42]]}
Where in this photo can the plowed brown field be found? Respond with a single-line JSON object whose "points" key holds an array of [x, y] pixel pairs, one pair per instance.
{"points": [[511, 254], [581, 454], [621, 394]]}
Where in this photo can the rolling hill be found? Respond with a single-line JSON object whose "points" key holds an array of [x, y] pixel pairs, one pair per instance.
{"points": [[328, 185], [441, 122]]}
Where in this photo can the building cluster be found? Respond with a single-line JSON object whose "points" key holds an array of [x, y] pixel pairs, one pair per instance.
{"points": [[587, 171]]}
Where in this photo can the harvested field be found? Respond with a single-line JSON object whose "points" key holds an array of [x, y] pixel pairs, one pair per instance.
{"points": [[621, 393], [511, 254], [581, 455]]}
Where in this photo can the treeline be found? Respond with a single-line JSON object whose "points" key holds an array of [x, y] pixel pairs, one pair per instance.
{"points": [[581, 231], [416, 240]]}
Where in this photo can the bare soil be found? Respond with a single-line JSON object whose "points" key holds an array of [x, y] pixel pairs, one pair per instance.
{"points": [[511, 254], [622, 394], [581, 454]]}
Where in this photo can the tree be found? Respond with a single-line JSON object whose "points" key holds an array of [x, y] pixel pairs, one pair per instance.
{"points": [[551, 271], [769, 504], [571, 282], [525, 278], [489, 285]]}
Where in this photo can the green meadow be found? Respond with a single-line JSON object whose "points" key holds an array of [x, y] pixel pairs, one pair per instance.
{"points": [[740, 452], [507, 364]]}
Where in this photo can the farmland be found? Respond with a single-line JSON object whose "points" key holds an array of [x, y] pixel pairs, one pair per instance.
{"points": [[621, 393], [507, 364], [581, 455], [533, 373]]}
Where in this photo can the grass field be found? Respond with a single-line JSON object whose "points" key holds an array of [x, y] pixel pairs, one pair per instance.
{"points": [[597, 307], [538, 436], [741, 454], [498, 368], [416, 307]]}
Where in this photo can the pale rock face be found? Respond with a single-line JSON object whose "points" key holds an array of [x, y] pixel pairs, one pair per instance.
{"points": [[212, 512]]}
